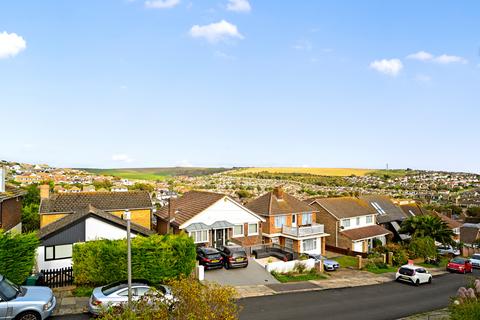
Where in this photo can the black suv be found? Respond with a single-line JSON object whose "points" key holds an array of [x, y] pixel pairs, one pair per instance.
{"points": [[209, 258], [234, 256]]}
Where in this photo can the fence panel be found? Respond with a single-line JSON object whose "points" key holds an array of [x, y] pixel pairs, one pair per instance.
{"points": [[344, 251], [55, 278]]}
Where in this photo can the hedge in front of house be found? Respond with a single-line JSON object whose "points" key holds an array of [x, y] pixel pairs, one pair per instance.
{"points": [[156, 258], [17, 255]]}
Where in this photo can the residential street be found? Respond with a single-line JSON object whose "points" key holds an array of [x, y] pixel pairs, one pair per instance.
{"points": [[379, 302]]}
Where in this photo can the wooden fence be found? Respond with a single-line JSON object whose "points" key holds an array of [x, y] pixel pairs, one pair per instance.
{"points": [[346, 252], [55, 278]]}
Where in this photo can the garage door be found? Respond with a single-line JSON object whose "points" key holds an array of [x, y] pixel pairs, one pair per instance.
{"points": [[358, 246]]}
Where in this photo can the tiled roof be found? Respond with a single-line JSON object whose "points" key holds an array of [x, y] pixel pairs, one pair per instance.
{"points": [[469, 234], [366, 232], [273, 203], [84, 212], [344, 207], [408, 209], [108, 201], [452, 224], [189, 205], [392, 212], [11, 192]]}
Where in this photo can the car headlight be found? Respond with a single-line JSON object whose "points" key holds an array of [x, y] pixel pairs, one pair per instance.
{"points": [[47, 305]]}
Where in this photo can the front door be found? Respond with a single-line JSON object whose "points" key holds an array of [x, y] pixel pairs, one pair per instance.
{"points": [[219, 239]]}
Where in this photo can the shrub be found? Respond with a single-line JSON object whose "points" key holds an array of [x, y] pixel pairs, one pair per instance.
{"points": [[299, 267], [422, 247], [194, 301], [17, 255], [400, 255], [156, 258], [466, 306]]}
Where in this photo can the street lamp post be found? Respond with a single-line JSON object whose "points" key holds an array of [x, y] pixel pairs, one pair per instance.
{"points": [[127, 217]]}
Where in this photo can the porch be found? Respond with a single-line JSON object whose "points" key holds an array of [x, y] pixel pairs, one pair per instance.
{"points": [[215, 235]]}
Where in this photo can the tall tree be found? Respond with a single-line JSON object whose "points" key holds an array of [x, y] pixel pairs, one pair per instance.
{"points": [[428, 226]]}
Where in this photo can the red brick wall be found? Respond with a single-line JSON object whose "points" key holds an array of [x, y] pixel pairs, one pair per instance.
{"points": [[11, 213], [247, 240]]}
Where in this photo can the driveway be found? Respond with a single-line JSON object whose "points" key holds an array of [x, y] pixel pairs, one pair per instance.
{"points": [[254, 274]]}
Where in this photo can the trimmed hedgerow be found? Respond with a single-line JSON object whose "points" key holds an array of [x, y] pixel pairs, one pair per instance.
{"points": [[17, 255], [156, 258]]}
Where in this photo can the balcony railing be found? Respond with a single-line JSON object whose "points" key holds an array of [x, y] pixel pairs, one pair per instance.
{"points": [[303, 231]]}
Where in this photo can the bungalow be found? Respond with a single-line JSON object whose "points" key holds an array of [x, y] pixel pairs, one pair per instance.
{"points": [[84, 224], [10, 205], [290, 222], [211, 219], [351, 222], [56, 206]]}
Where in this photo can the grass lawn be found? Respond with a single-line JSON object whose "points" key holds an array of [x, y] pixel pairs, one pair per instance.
{"points": [[82, 291], [442, 264], [346, 261], [379, 270], [296, 277]]}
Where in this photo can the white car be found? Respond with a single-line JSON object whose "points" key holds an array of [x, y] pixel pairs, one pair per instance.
{"points": [[447, 249], [475, 260], [413, 274]]}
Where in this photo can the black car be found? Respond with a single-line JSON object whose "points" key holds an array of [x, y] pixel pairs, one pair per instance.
{"points": [[210, 258], [234, 256]]}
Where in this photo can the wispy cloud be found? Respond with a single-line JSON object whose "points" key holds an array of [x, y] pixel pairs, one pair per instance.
{"points": [[304, 45], [239, 6], [391, 67], [161, 4], [11, 44], [216, 32], [442, 59], [122, 158]]}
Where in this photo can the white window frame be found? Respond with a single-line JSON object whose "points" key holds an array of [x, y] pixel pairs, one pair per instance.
{"points": [[345, 224], [314, 246], [307, 218], [194, 236], [283, 221], [237, 235], [369, 219], [53, 250], [256, 227], [358, 221]]}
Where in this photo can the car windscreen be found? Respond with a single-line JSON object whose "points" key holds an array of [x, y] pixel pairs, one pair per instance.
{"points": [[476, 256], [213, 256], [406, 271], [239, 253], [458, 260], [8, 289]]}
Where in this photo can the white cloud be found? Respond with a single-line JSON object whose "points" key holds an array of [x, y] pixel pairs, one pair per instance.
{"points": [[421, 56], [161, 4], [239, 5], [11, 44], [443, 59], [216, 32], [122, 158], [446, 59], [303, 45], [390, 67]]}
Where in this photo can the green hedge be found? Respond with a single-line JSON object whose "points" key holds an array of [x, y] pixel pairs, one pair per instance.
{"points": [[156, 258], [17, 255]]}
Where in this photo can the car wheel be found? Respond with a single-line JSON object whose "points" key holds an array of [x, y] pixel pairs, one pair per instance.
{"points": [[227, 266], [417, 283], [429, 280], [29, 315]]}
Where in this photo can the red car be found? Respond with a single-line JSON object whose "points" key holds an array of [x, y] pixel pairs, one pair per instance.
{"points": [[459, 264]]}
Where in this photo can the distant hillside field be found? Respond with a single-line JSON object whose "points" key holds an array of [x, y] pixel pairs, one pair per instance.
{"points": [[156, 173], [333, 172]]}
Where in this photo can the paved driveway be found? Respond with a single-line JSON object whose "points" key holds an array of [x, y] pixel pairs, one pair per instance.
{"points": [[254, 274]]}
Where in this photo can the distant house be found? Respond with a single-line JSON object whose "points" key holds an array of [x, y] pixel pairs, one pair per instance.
{"points": [[290, 222], [470, 233], [88, 188], [84, 224], [351, 223], [56, 206], [211, 219], [74, 189], [10, 205], [119, 188], [389, 215]]}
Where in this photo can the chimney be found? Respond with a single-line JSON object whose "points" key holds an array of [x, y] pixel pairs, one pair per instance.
{"points": [[278, 192], [44, 191], [171, 213], [3, 177]]}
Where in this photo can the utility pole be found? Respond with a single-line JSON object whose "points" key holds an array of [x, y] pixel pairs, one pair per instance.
{"points": [[127, 217]]}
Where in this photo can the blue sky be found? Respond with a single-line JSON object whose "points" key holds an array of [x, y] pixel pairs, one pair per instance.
{"points": [[118, 83]]}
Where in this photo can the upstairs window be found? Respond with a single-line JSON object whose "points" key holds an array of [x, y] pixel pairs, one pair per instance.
{"points": [[346, 223], [307, 218], [369, 219], [280, 221]]}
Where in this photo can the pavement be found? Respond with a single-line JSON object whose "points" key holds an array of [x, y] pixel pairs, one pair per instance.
{"points": [[67, 303], [253, 275]]}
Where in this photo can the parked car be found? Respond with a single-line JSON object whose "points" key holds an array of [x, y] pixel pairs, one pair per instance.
{"points": [[459, 264], [210, 258], [234, 256], [117, 293], [475, 260], [328, 264], [413, 274], [25, 302], [447, 250]]}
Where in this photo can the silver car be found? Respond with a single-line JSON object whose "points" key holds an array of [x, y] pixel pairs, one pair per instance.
{"points": [[117, 293], [25, 303]]}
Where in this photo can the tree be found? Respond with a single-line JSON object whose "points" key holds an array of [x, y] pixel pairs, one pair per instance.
{"points": [[422, 248], [17, 255], [30, 207], [428, 226], [142, 186], [194, 300]]}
